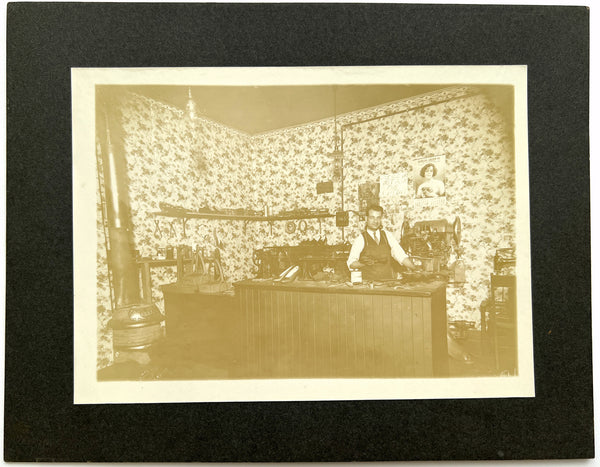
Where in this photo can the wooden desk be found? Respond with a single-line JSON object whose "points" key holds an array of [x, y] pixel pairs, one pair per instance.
{"points": [[201, 326], [315, 329]]}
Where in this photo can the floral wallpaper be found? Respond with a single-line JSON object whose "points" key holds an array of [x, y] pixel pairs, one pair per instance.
{"points": [[465, 127], [194, 164], [104, 306], [200, 163]]}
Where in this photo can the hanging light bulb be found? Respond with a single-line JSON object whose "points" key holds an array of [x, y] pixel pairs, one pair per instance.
{"points": [[190, 107], [337, 154]]}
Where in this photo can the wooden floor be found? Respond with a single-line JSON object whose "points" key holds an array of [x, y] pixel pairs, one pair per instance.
{"points": [[221, 356], [473, 356]]}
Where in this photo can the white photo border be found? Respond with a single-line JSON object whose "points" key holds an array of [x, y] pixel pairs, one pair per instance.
{"points": [[88, 390]]}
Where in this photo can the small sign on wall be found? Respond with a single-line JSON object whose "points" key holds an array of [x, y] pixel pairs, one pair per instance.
{"points": [[393, 186], [324, 187], [342, 219], [368, 194]]}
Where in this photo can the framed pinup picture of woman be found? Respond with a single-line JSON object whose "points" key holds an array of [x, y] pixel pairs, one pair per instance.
{"points": [[429, 181]]}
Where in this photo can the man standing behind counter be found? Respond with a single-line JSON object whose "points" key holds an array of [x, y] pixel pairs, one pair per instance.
{"points": [[373, 250]]}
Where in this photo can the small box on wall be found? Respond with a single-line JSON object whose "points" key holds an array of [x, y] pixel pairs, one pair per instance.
{"points": [[324, 187], [342, 219]]}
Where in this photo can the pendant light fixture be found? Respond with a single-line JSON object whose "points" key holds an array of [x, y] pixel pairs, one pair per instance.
{"points": [[190, 107], [337, 155], [195, 152], [338, 166]]}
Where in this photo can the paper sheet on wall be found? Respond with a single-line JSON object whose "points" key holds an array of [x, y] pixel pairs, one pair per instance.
{"points": [[393, 186]]}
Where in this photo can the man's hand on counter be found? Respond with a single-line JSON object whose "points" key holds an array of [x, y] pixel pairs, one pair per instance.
{"points": [[362, 264]]}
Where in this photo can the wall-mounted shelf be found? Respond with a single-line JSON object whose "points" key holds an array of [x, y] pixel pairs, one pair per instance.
{"points": [[186, 216], [233, 217]]}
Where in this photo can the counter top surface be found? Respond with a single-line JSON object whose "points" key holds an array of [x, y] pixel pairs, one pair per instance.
{"points": [[210, 289], [397, 287]]}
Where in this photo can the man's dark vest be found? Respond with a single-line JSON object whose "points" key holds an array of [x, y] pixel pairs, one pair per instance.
{"points": [[381, 254]]}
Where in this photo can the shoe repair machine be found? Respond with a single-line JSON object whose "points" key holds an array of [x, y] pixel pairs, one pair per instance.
{"points": [[430, 243]]}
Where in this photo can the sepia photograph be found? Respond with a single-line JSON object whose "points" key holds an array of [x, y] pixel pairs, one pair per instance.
{"points": [[301, 233]]}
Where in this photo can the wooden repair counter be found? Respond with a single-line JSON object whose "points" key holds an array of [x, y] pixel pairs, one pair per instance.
{"points": [[316, 329]]}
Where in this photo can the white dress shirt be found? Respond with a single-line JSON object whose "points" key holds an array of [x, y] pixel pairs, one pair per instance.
{"points": [[359, 244]]}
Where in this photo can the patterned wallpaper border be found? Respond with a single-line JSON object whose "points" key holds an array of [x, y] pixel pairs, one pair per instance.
{"points": [[390, 108]]}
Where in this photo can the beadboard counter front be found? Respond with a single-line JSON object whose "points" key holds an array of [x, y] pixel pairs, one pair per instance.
{"points": [[307, 329]]}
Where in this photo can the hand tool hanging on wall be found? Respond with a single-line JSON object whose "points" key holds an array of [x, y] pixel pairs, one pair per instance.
{"points": [[184, 221], [457, 231], [172, 232], [302, 226], [218, 242], [290, 227], [157, 232]]}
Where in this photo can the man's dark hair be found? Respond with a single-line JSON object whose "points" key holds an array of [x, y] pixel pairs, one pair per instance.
{"points": [[374, 207]]}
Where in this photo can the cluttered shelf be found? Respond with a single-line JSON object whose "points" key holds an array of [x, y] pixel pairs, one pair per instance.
{"points": [[235, 217], [246, 215], [168, 210]]}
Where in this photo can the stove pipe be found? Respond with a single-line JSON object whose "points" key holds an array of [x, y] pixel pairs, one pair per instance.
{"points": [[120, 229], [136, 322]]}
